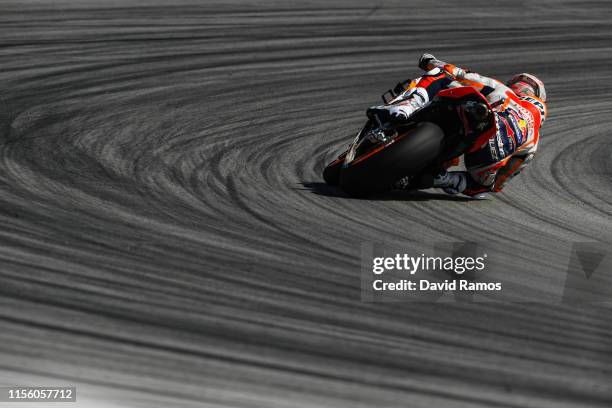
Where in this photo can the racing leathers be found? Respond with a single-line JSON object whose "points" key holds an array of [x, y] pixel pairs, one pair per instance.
{"points": [[497, 155]]}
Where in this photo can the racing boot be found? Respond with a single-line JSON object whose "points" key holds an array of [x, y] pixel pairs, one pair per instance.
{"points": [[398, 112]]}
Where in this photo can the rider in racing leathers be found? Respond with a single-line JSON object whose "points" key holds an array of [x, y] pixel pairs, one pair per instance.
{"points": [[519, 108]]}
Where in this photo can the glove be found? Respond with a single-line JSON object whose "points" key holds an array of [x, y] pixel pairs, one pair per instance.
{"points": [[510, 169]]}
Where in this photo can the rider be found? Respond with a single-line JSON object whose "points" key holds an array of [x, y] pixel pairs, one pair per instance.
{"points": [[519, 108]]}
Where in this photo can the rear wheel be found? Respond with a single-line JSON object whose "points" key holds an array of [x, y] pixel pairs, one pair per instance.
{"points": [[331, 174], [411, 151]]}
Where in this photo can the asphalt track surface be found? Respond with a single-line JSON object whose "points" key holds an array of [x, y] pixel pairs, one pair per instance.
{"points": [[166, 239]]}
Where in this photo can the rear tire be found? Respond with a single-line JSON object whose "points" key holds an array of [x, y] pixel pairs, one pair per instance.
{"points": [[411, 152], [331, 174]]}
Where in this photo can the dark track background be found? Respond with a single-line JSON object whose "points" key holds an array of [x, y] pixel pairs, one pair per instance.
{"points": [[164, 229]]}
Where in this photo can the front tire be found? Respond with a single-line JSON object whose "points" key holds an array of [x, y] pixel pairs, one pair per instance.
{"points": [[412, 150]]}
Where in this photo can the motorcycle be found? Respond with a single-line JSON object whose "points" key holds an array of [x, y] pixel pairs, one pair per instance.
{"points": [[456, 121]]}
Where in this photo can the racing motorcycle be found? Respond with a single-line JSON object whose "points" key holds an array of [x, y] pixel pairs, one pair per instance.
{"points": [[456, 121]]}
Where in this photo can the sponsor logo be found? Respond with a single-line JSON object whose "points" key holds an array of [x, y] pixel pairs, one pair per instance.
{"points": [[509, 134], [527, 117], [538, 104], [493, 149], [500, 143]]}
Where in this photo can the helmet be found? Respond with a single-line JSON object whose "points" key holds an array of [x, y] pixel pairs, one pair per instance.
{"points": [[527, 85]]}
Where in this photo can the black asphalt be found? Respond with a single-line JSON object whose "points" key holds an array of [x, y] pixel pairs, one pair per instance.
{"points": [[166, 239]]}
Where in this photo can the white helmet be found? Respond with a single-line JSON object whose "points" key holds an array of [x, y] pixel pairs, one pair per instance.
{"points": [[527, 85]]}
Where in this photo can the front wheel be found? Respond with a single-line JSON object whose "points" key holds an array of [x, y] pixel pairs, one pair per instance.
{"points": [[411, 151]]}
